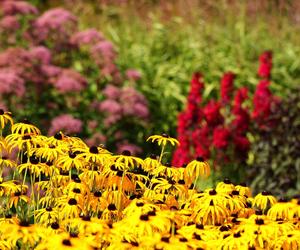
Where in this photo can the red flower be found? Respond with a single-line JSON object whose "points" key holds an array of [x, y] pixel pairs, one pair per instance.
{"points": [[265, 67], [262, 101], [227, 87], [241, 115], [242, 143], [212, 113], [221, 137]]}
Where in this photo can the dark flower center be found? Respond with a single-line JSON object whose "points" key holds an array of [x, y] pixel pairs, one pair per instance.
{"points": [[86, 218], [165, 135], [266, 193], [24, 223], [58, 136], [8, 216], [26, 137], [126, 153], [144, 217], [72, 202], [112, 207], [197, 236], [283, 200], [235, 192], [227, 181], [94, 150], [33, 160], [237, 235], [223, 228], [72, 155], [120, 173], [165, 239], [98, 194], [25, 121], [1, 112], [113, 168], [153, 156], [258, 212], [140, 204], [66, 242], [243, 184], [49, 209], [183, 239], [76, 190], [168, 165], [259, 222], [172, 182], [212, 192], [200, 158], [182, 182], [199, 226], [151, 213]]}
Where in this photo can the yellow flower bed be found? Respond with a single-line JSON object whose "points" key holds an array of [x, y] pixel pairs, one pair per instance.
{"points": [[62, 194]]}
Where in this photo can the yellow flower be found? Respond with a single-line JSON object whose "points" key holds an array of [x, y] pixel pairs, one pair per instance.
{"points": [[25, 127], [282, 210], [163, 139], [264, 200], [5, 117], [196, 169]]}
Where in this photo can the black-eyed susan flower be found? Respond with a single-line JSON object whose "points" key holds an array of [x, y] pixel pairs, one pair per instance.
{"points": [[25, 127], [163, 139], [282, 210], [264, 200], [5, 118], [69, 161], [197, 168]]}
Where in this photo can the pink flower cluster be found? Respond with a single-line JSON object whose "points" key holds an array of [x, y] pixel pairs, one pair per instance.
{"points": [[218, 128], [56, 25], [65, 123], [122, 102], [36, 63]]}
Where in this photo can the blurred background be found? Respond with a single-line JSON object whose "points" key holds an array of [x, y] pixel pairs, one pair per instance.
{"points": [[116, 72]]}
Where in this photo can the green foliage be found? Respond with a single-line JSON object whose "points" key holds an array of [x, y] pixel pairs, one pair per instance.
{"points": [[167, 55], [276, 163]]}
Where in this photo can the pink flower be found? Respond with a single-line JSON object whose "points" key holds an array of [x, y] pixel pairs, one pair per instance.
{"points": [[41, 54], [96, 139], [51, 70], [87, 37], [10, 23], [65, 123], [135, 150], [111, 107], [11, 83], [133, 74], [56, 22], [92, 124], [70, 81], [111, 92], [140, 110], [18, 7], [111, 120], [221, 137], [103, 52]]}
